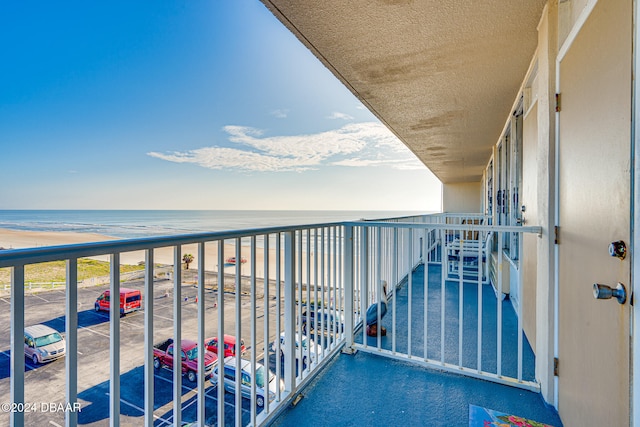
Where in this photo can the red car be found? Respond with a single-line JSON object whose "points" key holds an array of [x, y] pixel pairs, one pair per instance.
{"points": [[163, 357], [211, 344], [232, 260]]}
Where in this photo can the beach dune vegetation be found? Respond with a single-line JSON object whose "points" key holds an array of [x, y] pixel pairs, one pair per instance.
{"points": [[56, 271]]}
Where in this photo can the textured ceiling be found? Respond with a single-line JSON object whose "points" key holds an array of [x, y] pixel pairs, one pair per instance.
{"points": [[441, 74]]}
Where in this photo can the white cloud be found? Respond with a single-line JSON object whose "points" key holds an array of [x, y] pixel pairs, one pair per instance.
{"points": [[353, 145], [280, 114], [337, 115], [401, 164]]}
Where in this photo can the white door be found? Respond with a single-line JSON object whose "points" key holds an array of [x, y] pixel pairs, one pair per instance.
{"points": [[595, 210]]}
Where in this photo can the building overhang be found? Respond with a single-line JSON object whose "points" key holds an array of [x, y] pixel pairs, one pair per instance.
{"points": [[441, 75]]}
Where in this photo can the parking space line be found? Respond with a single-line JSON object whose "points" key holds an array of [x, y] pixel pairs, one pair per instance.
{"points": [[6, 300], [27, 362], [101, 314], [171, 382], [96, 332], [232, 405], [91, 330], [206, 393], [142, 410], [38, 296], [161, 306], [184, 387], [54, 424], [132, 324], [162, 317]]}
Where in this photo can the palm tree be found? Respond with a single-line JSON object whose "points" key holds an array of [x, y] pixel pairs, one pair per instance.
{"points": [[187, 259]]}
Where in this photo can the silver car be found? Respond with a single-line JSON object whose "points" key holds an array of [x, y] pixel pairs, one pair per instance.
{"points": [[43, 344], [265, 386], [309, 348]]}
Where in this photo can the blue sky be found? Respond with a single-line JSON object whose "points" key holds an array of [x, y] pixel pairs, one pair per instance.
{"points": [[185, 105]]}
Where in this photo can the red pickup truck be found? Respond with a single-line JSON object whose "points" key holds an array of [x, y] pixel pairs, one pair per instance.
{"points": [[163, 357]]}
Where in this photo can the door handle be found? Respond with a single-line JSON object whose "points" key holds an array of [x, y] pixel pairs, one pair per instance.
{"points": [[607, 292]]}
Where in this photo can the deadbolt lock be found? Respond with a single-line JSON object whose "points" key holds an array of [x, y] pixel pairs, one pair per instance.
{"points": [[618, 249]]}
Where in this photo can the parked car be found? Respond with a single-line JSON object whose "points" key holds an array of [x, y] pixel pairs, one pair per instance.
{"points": [[229, 345], [326, 319], [232, 260], [265, 380], [309, 348], [43, 344], [163, 357], [130, 300]]}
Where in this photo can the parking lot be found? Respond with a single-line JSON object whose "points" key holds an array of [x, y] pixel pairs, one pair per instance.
{"points": [[45, 384]]}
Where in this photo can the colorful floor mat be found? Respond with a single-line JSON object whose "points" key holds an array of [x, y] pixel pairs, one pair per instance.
{"points": [[483, 417]]}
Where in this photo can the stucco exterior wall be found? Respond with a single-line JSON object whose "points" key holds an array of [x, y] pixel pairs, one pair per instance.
{"points": [[462, 198], [543, 208], [530, 215]]}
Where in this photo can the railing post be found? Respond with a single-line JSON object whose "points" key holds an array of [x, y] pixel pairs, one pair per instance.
{"points": [[267, 320], [177, 335], [71, 358], [220, 304], [253, 321], [393, 288], [17, 343], [348, 290], [200, 299], [364, 279], [149, 386], [114, 342], [520, 304], [238, 315], [289, 311]]}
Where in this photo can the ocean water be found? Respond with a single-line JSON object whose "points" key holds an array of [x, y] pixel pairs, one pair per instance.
{"points": [[142, 223]]}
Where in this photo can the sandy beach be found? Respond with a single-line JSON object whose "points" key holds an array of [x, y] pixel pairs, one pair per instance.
{"points": [[13, 239]]}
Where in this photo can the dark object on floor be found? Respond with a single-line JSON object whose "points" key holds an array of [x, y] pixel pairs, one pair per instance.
{"points": [[372, 331]]}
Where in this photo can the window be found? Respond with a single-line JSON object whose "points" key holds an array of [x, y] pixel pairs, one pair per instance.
{"points": [[515, 210], [508, 172], [246, 379], [230, 373], [489, 184], [48, 339]]}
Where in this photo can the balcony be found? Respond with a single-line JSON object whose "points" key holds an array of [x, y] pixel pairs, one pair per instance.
{"points": [[465, 346]]}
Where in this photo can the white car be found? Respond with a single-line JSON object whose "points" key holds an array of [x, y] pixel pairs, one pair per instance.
{"points": [[310, 349], [265, 380], [43, 344]]}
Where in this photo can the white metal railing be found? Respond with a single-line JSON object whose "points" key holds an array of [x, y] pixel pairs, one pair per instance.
{"points": [[289, 274], [455, 318], [312, 282]]}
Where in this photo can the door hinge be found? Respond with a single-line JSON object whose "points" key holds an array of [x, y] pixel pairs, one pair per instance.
{"points": [[556, 234], [555, 366], [558, 102]]}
